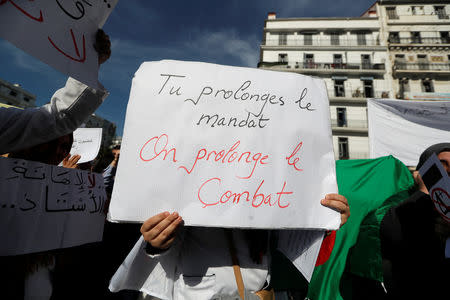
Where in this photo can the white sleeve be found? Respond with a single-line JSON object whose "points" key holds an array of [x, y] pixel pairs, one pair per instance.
{"points": [[67, 110]]}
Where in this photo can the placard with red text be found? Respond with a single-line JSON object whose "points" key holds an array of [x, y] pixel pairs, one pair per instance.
{"points": [[226, 147], [59, 33]]}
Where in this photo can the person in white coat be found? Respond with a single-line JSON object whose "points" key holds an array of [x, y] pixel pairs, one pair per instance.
{"points": [[69, 107], [174, 262]]}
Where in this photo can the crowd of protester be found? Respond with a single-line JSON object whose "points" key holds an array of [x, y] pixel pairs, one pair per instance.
{"points": [[169, 260]]}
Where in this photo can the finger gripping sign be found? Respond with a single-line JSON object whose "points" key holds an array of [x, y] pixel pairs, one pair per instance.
{"points": [[59, 33], [226, 147]]}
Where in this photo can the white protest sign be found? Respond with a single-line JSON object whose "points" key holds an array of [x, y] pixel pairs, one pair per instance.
{"points": [[59, 33], [404, 128], [86, 143], [302, 247], [226, 147], [437, 182], [45, 207]]}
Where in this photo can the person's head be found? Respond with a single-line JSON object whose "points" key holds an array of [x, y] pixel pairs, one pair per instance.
{"points": [[442, 151], [52, 152], [116, 151]]}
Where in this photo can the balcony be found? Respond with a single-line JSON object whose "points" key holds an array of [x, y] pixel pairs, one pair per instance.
{"points": [[435, 18], [331, 42], [419, 41], [356, 97], [325, 68], [435, 68], [350, 128]]}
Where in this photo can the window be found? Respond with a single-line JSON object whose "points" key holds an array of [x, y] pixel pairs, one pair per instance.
{"points": [[445, 38], [440, 12], [341, 113], [282, 38], [307, 38], [415, 37], [361, 38], [368, 88], [391, 13], [309, 61], [403, 84], [365, 61], [343, 148], [26, 99], [417, 10], [337, 61], [422, 61], [282, 57], [427, 86], [394, 38], [334, 38], [339, 89], [13, 93]]}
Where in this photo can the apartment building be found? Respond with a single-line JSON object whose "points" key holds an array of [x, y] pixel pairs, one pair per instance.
{"points": [[15, 95], [396, 49], [418, 38], [348, 53]]}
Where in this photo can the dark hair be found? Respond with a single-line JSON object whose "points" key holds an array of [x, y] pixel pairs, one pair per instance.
{"points": [[116, 147]]}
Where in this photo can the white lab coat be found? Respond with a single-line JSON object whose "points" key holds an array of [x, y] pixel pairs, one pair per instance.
{"points": [[198, 266], [69, 107]]}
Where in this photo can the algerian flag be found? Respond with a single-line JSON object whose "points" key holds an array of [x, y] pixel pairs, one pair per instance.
{"points": [[371, 186]]}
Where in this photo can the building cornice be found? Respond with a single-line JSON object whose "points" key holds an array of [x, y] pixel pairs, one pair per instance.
{"points": [[322, 19], [419, 2]]}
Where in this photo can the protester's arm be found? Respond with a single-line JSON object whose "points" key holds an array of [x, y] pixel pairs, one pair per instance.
{"points": [[67, 110], [160, 231]]}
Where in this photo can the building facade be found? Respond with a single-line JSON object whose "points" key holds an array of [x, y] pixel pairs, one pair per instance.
{"points": [[418, 38], [15, 95], [348, 54], [375, 55]]}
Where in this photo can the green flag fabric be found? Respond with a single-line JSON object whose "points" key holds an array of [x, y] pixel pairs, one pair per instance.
{"points": [[371, 186]]}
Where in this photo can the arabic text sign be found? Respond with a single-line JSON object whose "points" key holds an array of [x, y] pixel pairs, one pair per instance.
{"points": [[60, 33], [86, 143], [226, 147], [46, 207]]}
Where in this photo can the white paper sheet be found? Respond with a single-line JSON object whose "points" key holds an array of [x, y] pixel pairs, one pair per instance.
{"points": [[86, 143], [302, 247], [226, 147]]}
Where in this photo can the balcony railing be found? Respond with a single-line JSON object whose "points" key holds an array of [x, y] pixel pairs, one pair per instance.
{"points": [[339, 66], [433, 16], [349, 123], [422, 66], [357, 94], [322, 66], [421, 40], [345, 42]]}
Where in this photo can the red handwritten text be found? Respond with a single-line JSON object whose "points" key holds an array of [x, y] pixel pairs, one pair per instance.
{"points": [[81, 58], [296, 159], [38, 19], [159, 146], [256, 200], [229, 157]]}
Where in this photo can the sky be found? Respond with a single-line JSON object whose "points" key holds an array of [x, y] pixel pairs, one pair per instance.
{"points": [[227, 32]]}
